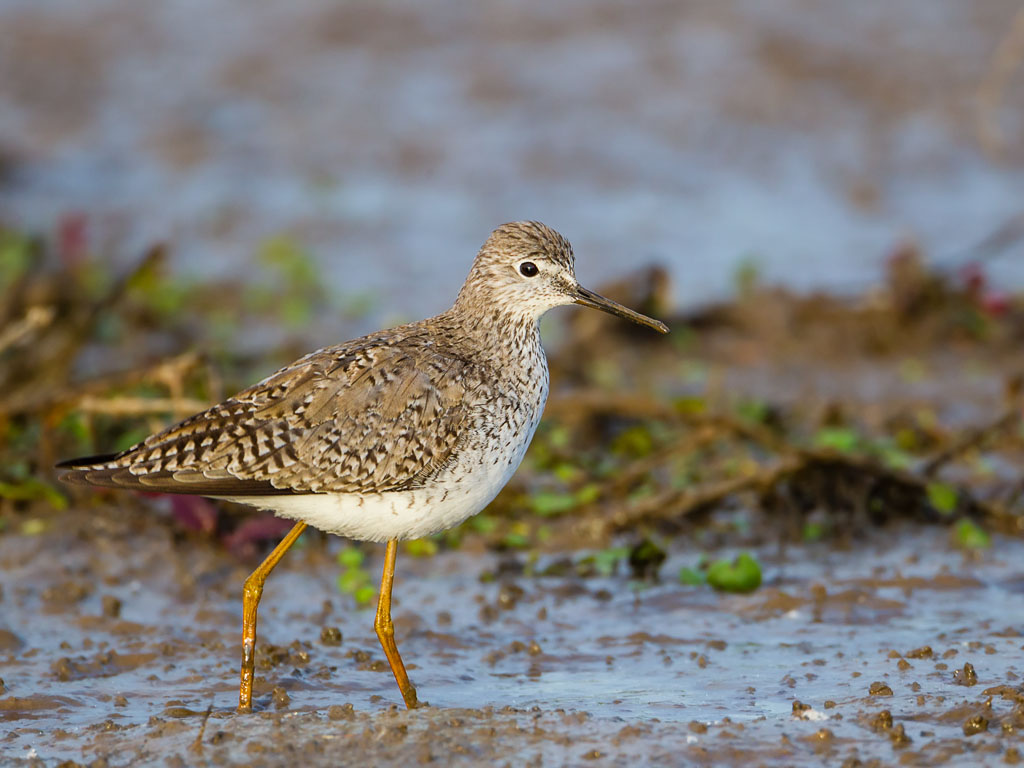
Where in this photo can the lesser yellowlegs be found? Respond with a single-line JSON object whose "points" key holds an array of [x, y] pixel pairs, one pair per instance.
{"points": [[392, 436]]}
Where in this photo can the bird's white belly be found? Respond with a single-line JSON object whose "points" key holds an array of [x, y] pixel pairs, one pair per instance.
{"points": [[458, 493]]}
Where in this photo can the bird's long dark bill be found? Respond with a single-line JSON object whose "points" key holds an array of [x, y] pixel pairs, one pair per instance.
{"points": [[590, 299]]}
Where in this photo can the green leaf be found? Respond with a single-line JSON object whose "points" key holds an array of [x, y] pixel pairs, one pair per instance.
{"points": [[645, 560], [421, 547], [515, 541], [813, 531], [483, 524], [969, 535], [293, 263], [351, 557], [741, 575], [942, 497], [295, 311], [351, 580], [365, 595], [130, 438], [752, 411], [33, 527], [837, 438], [549, 504], [559, 437], [15, 256], [893, 456], [33, 489], [690, 577], [635, 441], [75, 426], [606, 561], [588, 494], [690, 405], [566, 472]]}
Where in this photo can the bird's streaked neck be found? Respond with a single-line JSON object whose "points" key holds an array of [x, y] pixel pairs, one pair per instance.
{"points": [[496, 328]]}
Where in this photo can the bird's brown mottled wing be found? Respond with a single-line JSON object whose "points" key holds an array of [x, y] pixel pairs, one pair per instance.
{"points": [[365, 416]]}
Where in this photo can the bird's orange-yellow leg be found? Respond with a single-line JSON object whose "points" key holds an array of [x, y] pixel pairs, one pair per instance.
{"points": [[386, 630], [251, 594]]}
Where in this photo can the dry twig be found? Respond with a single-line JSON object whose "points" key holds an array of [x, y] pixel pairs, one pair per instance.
{"points": [[36, 318], [971, 439], [675, 505], [139, 406]]}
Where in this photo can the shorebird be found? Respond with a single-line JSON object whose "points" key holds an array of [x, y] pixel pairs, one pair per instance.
{"points": [[392, 436]]}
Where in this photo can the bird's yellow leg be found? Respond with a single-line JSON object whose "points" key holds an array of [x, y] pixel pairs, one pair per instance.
{"points": [[386, 630], [251, 594]]}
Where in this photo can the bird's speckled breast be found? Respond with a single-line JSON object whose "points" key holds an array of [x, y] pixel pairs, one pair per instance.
{"points": [[492, 450]]}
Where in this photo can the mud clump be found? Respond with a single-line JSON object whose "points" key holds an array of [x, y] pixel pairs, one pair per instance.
{"points": [[966, 676], [975, 725], [330, 636], [882, 721]]}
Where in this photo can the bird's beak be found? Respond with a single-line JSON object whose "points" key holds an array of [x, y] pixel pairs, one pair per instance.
{"points": [[588, 298]]}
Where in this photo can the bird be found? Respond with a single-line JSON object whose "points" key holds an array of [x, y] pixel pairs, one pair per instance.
{"points": [[393, 436]]}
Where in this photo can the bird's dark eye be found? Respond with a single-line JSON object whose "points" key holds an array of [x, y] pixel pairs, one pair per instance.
{"points": [[528, 269]]}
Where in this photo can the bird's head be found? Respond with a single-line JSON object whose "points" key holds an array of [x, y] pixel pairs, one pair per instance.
{"points": [[526, 268]]}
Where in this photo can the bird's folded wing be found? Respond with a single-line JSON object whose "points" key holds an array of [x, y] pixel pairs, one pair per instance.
{"points": [[349, 419]]}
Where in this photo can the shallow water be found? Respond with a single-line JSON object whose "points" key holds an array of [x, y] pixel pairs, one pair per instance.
{"points": [[390, 137], [514, 669]]}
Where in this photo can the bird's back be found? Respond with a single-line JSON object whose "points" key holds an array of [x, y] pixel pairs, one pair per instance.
{"points": [[387, 412]]}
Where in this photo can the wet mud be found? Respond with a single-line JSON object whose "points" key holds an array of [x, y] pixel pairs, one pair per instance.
{"points": [[122, 646]]}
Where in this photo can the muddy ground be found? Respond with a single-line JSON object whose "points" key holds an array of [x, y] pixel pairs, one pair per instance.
{"points": [[117, 647]]}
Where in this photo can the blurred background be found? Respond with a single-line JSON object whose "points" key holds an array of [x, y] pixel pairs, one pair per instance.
{"points": [[388, 137], [789, 533]]}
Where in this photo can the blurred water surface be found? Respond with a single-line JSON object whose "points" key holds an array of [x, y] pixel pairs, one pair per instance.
{"points": [[390, 136]]}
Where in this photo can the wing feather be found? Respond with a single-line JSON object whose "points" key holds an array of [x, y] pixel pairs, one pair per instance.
{"points": [[378, 414]]}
